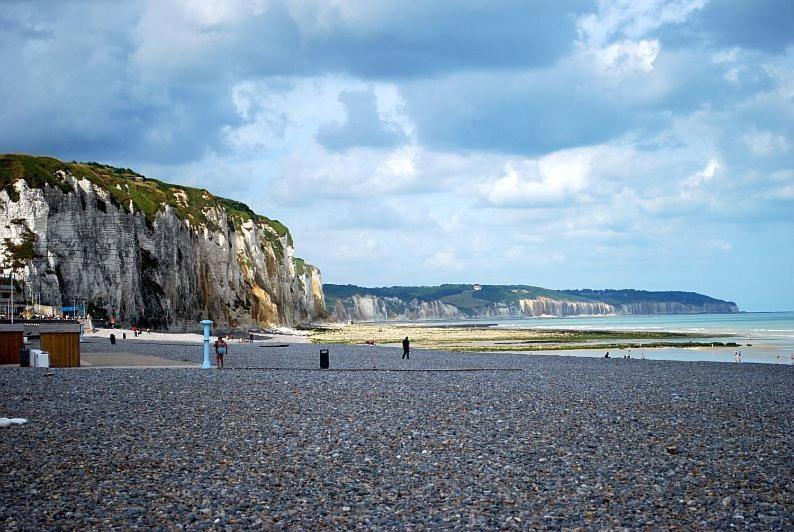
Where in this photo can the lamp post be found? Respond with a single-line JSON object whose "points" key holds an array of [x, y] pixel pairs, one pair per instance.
{"points": [[207, 325]]}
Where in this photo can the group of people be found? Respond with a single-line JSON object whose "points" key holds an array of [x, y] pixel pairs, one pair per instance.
{"points": [[221, 348], [626, 355], [137, 331]]}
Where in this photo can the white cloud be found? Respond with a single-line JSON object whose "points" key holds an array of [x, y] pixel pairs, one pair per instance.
{"points": [[765, 142], [785, 193], [314, 173], [627, 57], [283, 114], [632, 18], [552, 179], [445, 259], [318, 18], [175, 36], [703, 176], [717, 244]]}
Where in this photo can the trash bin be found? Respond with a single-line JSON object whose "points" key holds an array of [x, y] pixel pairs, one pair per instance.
{"points": [[24, 358], [324, 359], [112, 339]]}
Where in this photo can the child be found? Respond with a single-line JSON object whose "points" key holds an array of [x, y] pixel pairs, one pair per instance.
{"points": [[220, 350]]}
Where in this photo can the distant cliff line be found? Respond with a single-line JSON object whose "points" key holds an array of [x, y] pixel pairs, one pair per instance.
{"points": [[457, 301], [149, 252]]}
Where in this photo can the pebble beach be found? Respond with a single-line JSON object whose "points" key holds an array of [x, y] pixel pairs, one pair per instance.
{"points": [[445, 440]]}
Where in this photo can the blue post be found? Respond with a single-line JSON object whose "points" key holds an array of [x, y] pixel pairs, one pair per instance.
{"points": [[207, 324]]}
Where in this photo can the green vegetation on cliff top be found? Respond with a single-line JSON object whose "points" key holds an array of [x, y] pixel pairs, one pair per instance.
{"points": [[462, 296], [465, 298], [127, 187]]}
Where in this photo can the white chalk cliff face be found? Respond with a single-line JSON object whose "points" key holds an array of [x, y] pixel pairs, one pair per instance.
{"points": [[162, 270], [359, 307], [372, 308]]}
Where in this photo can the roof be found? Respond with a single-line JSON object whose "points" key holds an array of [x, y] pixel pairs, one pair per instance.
{"points": [[59, 328]]}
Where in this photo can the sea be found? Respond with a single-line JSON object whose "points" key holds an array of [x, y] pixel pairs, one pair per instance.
{"points": [[764, 337]]}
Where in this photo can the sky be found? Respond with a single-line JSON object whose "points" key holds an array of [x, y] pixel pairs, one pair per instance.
{"points": [[565, 144]]}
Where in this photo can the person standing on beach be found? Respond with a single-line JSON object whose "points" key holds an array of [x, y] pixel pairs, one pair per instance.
{"points": [[220, 349], [406, 349]]}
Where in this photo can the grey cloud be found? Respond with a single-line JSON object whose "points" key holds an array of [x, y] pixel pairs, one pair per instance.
{"points": [[114, 91], [761, 24], [363, 127], [539, 111], [74, 94], [400, 40], [527, 113]]}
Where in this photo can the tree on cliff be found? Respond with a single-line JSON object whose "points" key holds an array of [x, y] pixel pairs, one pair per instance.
{"points": [[17, 255]]}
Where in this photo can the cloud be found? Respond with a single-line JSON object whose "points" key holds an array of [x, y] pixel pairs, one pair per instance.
{"points": [[764, 142], [313, 174], [445, 260], [363, 127], [632, 19], [376, 39], [704, 176], [411, 142], [716, 244], [551, 180], [629, 56], [758, 24]]}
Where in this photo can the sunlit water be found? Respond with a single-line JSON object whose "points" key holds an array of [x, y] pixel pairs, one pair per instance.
{"points": [[762, 335]]}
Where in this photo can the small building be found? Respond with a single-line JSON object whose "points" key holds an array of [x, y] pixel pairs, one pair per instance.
{"points": [[11, 342], [62, 342], [10, 304], [477, 287]]}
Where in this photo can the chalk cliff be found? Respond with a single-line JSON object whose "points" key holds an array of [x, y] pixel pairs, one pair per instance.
{"points": [[373, 308], [149, 252], [445, 302]]}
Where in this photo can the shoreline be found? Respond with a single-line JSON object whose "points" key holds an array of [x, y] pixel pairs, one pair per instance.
{"points": [[656, 344]]}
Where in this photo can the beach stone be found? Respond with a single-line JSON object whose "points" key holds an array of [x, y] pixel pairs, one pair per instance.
{"points": [[272, 442]]}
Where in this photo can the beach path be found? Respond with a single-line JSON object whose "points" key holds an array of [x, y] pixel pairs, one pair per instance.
{"points": [[129, 360]]}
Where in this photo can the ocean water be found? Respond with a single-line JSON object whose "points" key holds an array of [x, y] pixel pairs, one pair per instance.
{"points": [[745, 324], [762, 335]]}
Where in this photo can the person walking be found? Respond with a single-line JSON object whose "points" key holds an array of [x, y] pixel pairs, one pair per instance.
{"points": [[220, 349], [406, 349]]}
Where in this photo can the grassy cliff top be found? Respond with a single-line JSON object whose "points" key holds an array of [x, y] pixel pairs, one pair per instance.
{"points": [[461, 295], [129, 187]]}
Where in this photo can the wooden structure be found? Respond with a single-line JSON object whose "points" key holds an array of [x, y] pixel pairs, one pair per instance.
{"points": [[10, 342], [62, 342]]}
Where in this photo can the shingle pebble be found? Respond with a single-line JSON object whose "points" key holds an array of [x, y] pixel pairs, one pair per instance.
{"points": [[563, 442]]}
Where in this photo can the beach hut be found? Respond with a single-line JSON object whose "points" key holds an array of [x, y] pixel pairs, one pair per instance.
{"points": [[10, 342], [62, 342]]}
